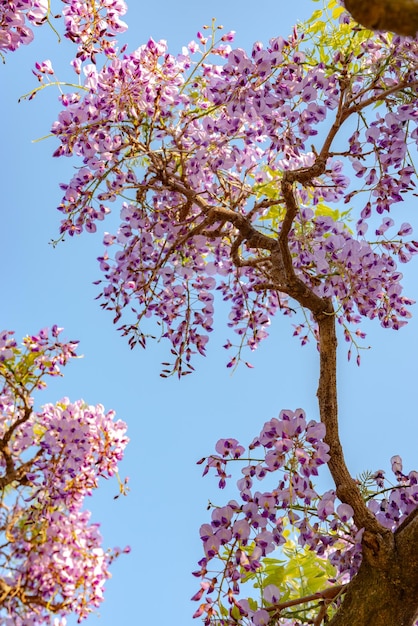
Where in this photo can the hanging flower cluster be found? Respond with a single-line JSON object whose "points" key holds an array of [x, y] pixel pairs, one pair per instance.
{"points": [[52, 560], [243, 532], [93, 24]]}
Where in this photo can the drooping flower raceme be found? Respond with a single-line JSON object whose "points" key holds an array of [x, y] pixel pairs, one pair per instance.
{"points": [[16, 19], [52, 561], [93, 24]]}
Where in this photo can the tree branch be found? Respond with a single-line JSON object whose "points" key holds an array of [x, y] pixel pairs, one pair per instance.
{"points": [[397, 16], [328, 594]]}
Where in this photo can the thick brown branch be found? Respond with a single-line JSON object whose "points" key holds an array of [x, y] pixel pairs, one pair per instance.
{"points": [[220, 214], [12, 473], [397, 16], [346, 488], [18, 475], [7, 592], [384, 591]]}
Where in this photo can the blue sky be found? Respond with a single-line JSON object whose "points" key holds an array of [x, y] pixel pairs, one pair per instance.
{"points": [[171, 423]]}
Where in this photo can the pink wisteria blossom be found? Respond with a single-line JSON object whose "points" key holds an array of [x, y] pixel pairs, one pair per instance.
{"points": [[52, 560], [92, 24], [244, 531]]}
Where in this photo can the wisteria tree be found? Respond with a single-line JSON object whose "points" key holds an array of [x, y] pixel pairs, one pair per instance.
{"points": [[266, 179]]}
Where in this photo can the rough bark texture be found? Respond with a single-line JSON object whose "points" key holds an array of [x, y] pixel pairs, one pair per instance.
{"points": [[397, 16], [385, 590]]}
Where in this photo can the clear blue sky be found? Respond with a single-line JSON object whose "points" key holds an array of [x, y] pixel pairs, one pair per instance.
{"points": [[171, 424]]}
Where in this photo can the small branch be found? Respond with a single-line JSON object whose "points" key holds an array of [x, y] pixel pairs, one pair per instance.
{"points": [[329, 594], [321, 615], [5, 591]]}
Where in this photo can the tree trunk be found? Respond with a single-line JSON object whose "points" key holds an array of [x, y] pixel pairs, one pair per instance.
{"points": [[385, 590], [397, 16]]}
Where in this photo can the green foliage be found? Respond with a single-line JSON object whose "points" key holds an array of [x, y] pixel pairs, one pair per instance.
{"points": [[327, 35], [296, 571]]}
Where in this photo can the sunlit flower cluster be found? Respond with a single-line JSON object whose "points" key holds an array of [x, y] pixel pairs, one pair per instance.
{"points": [[189, 139], [93, 24], [243, 532], [52, 558], [16, 19]]}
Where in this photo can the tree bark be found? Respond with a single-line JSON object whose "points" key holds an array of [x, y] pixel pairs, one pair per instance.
{"points": [[397, 16], [385, 590]]}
